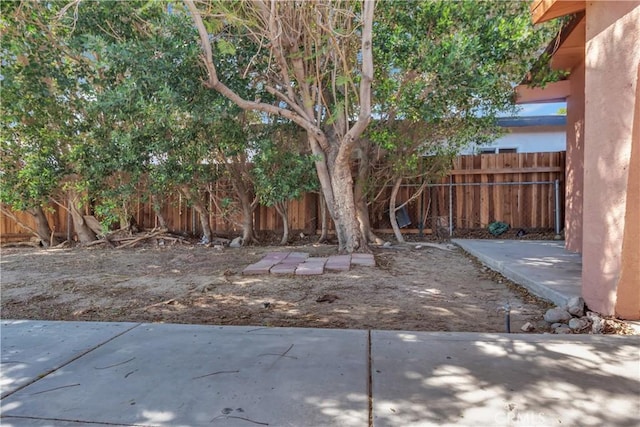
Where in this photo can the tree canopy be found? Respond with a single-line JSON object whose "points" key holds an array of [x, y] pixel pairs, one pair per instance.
{"points": [[113, 99]]}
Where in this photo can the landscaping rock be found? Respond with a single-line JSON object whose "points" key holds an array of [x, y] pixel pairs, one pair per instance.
{"points": [[236, 243], [563, 329], [527, 327], [554, 315], [597, 324], [578, 324], [541, 325], [575, 306]]}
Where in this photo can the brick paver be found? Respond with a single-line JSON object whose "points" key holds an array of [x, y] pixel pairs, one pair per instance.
{"points": [[265, 264], [365, 260], [312, 266], [338, 263]]}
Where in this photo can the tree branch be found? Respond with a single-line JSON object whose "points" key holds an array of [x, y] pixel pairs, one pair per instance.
{"points": [[216, 84], [17, 221], [364, 117]]}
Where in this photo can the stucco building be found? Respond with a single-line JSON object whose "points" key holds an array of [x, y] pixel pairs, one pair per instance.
{"points": [[600, 47]]}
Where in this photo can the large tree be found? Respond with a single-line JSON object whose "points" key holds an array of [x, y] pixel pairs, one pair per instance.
{"points": [[156, 130], [42, 101], [315, 59], [443, 70]]}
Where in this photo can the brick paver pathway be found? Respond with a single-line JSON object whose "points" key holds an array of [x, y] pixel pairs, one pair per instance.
{"points": [[300, 263]]}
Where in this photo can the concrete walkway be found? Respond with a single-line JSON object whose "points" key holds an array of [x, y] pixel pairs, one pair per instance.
{"points": [[545, 268], [83, 373]]}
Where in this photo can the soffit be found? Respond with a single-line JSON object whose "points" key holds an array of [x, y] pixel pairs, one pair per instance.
{"points": [[545, 10]]}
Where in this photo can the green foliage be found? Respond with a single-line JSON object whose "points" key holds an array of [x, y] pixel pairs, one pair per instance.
{"points": [[444, 71], [154, 127], [109, 98], [42, 100], [280, 171]]}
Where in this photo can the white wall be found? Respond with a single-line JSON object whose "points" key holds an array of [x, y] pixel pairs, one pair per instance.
{"points": [[527, 140]]}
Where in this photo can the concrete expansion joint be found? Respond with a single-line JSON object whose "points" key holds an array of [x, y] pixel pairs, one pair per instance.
{"points": [[72, 359], [370, 378]]}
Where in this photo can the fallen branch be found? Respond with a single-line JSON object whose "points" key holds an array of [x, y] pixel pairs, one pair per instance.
{"points": [[141, 238], [20, 245], [167, 302], [95, 243]]}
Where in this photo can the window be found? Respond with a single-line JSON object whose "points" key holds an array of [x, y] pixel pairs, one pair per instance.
{"points": [[488, 150], [496, 150]]}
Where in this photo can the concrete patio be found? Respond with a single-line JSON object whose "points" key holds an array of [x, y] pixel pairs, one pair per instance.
{"points": [[544, 267]]}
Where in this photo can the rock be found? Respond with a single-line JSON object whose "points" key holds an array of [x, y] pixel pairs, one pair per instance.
{"points": [[541, 325], [236, 243], [563, 329], [328, 298], [554, 315], [575, 306], [527, 327], [578, 324], [597, 324], [386, 245]]}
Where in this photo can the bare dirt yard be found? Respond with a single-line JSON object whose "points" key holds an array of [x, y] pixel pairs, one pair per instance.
{"points": [[424, 289]]}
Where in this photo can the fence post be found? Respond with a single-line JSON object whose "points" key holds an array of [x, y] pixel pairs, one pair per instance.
{"points": [[450, 206], [557, 201]]}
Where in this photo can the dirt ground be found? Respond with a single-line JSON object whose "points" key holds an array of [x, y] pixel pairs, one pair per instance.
{"points": [[425, 289]]}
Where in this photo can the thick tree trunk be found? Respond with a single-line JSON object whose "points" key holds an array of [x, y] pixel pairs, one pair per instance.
{"points": [[42, 227], [392, 211], [203, 214], [245, 197], [335, 178], [344, 216], [157, 209], [248, 232], [84, 233], [283, 211], [247, 205], [362, 209], [324, 219]]}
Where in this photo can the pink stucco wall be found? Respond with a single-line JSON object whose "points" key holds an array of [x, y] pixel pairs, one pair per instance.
{"points": [[574, 175], [628, 298], [612, 54]]}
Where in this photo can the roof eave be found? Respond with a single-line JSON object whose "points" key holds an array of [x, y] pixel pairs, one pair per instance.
{"points": [[545, 10], [552, 92]]}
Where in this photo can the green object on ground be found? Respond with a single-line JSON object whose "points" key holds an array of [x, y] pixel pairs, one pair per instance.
{"points": [[497, 228]]}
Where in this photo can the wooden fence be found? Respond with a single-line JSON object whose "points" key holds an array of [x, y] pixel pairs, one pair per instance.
{"points": [[518, 189], [514, 188]]}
